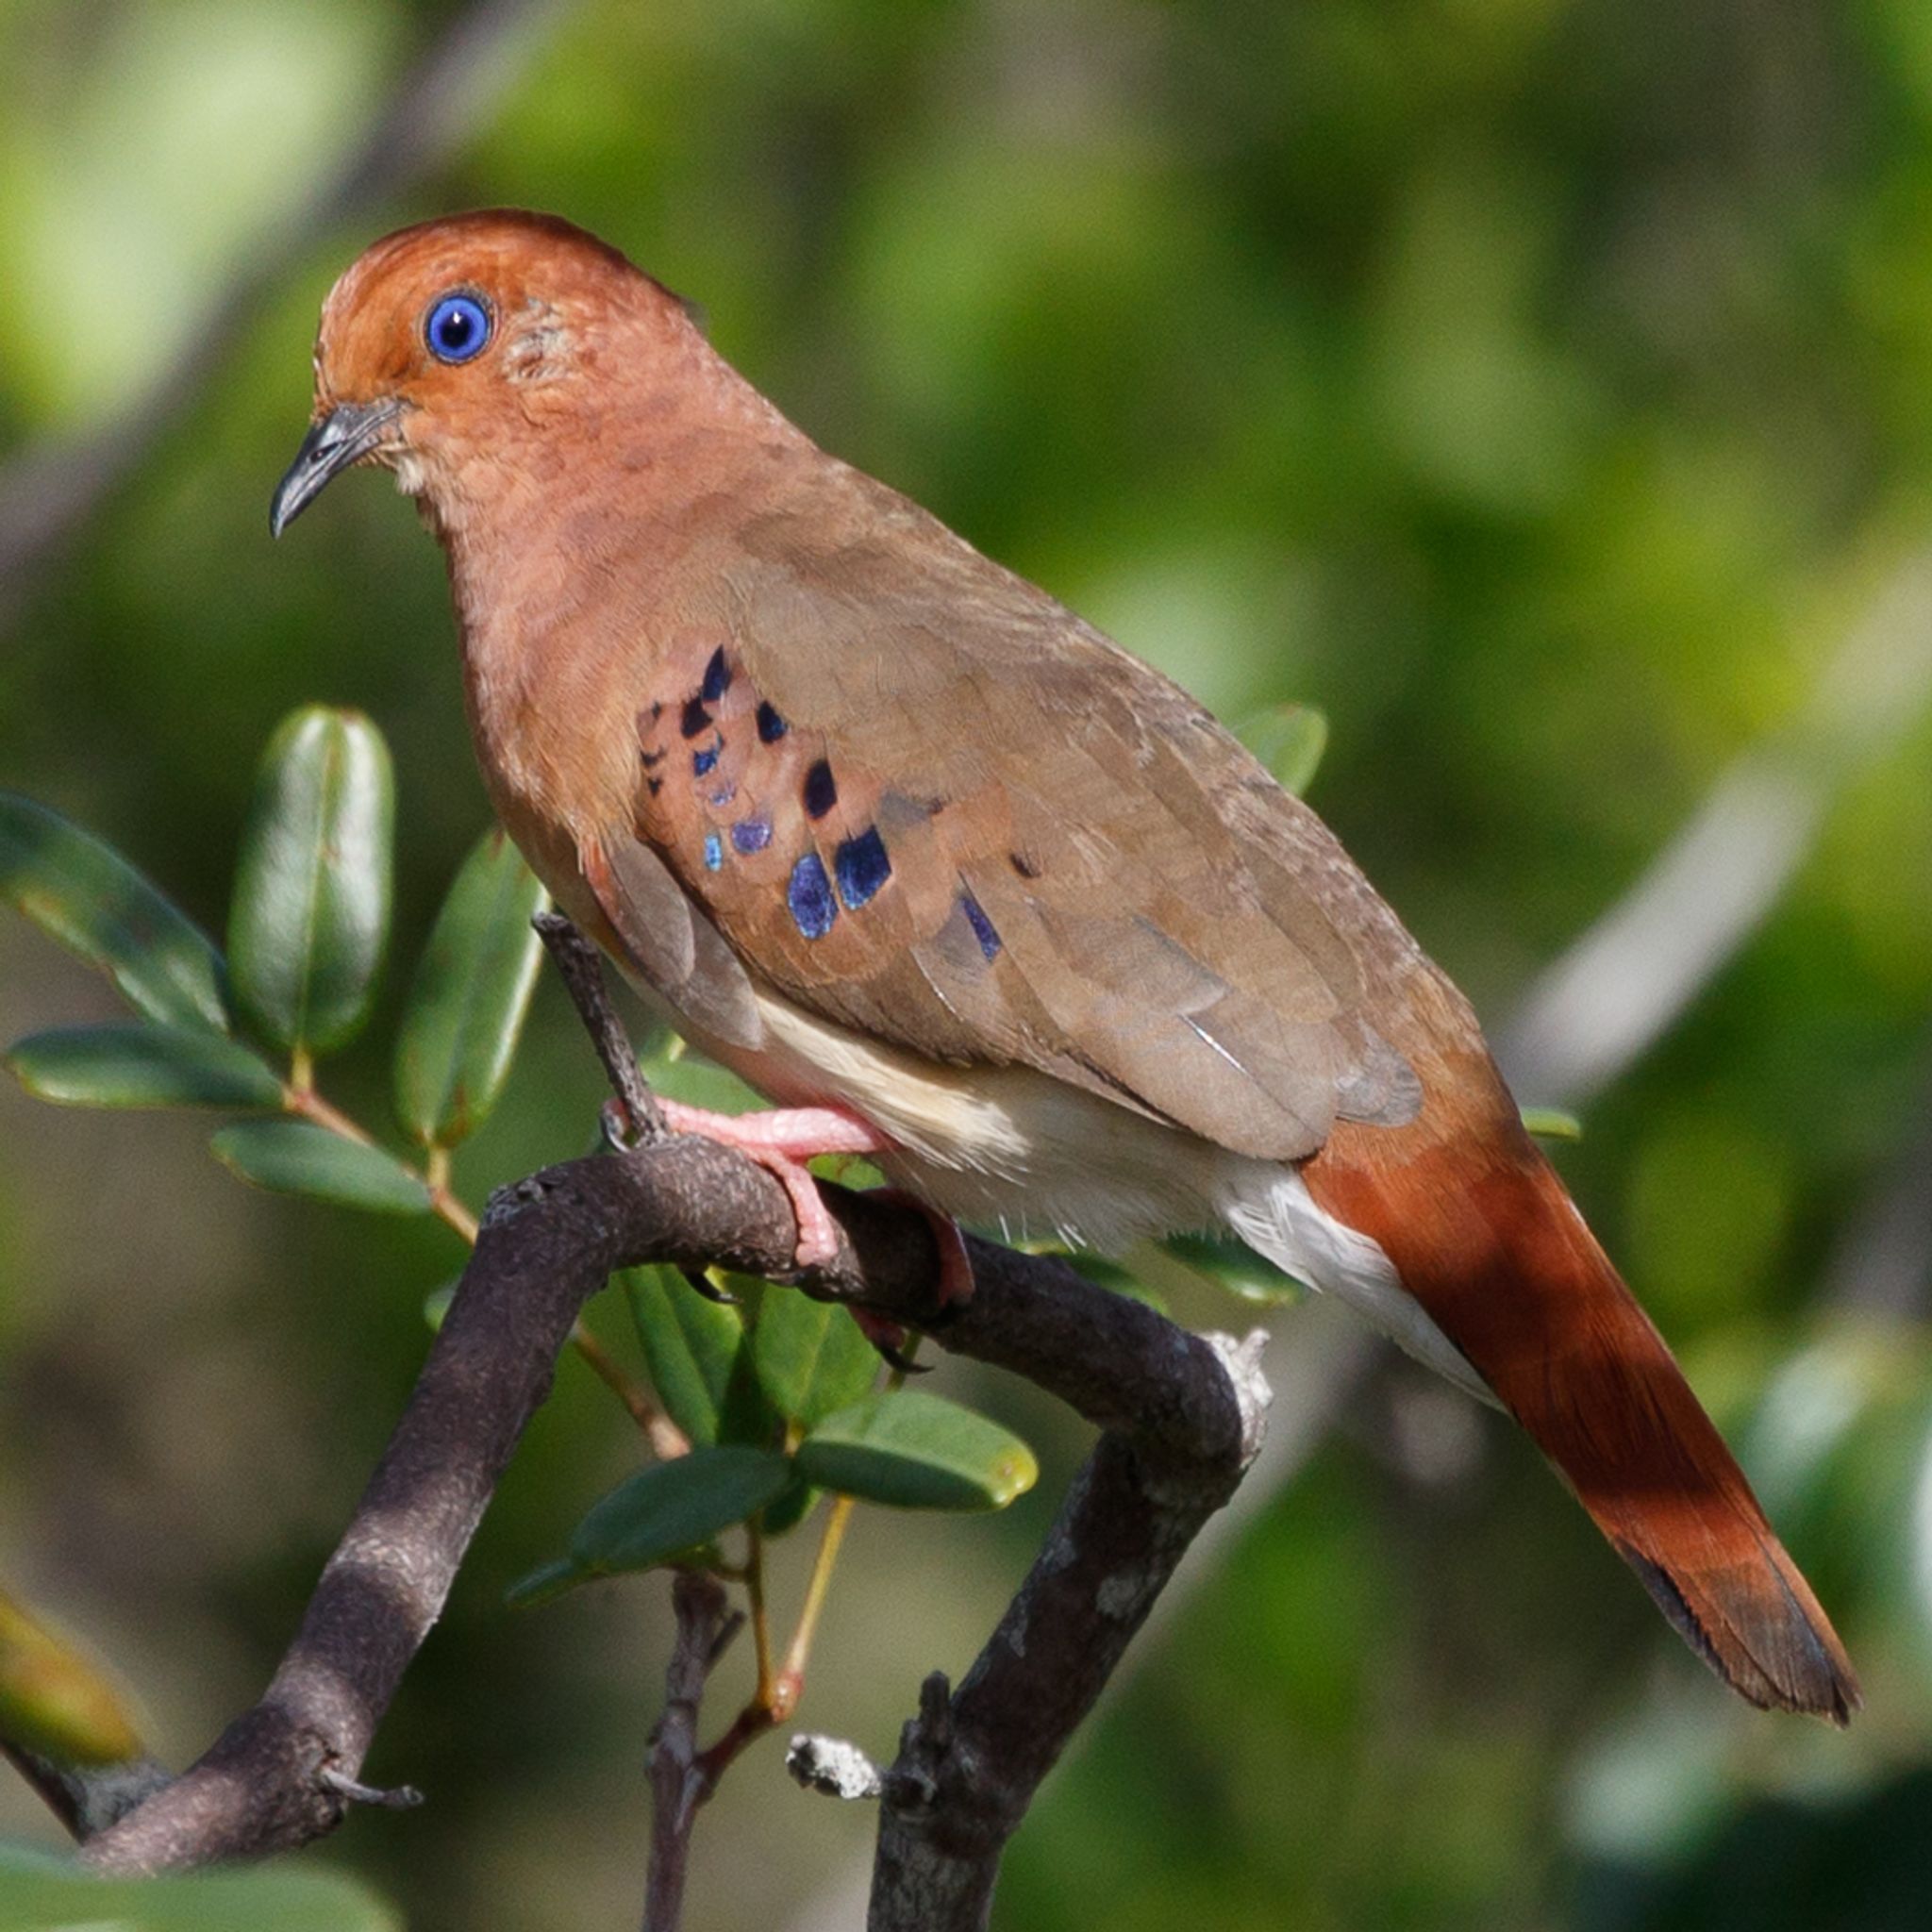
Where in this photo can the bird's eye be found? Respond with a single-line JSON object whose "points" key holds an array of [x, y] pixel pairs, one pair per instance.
{"points": [[458, 328]]}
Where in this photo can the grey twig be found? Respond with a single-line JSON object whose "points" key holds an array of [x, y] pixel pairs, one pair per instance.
{"points": [[47, 491], [87, 1798], [680, 1781], [582, 969], [1598, 1007]]}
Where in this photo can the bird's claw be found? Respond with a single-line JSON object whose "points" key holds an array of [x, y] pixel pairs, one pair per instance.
{"points": [[889, 1339]]}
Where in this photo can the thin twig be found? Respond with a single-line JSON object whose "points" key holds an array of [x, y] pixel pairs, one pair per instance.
{"points": [[679, 1783], [436, 108], [582, 969], [87, 1798]]}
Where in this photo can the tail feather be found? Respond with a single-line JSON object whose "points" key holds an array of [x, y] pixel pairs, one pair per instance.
{"points": [[1483, 1236]]}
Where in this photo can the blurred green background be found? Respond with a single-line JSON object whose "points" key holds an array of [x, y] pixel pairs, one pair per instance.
{"points": [[1543, 387]]}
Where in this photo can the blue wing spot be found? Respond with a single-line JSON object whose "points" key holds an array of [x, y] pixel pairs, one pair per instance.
{"points": [[714, 852], [717, 677], [702, 761], [863, 866], [694, 717], [809, 896], [989, 940], [751, 834], [821, 791], [771, 727]]}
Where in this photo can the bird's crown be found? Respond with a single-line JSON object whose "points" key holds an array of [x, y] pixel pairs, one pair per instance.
{"points": [[500, 295]]}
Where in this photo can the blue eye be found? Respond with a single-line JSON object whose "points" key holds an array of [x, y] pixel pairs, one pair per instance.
{"points": [[458, 328]]}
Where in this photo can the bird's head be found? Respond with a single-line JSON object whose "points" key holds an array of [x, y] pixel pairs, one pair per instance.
{"points": [[461, 343]]}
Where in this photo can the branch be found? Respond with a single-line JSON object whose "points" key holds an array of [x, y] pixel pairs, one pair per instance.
{"points": [[1604, 1002], [969, 1764], [680, 1782], [87, 1798], [273, 1779], [48, 490]]}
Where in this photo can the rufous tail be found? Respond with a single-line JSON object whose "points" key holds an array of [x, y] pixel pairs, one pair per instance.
{"points": [[1484, 1237]]}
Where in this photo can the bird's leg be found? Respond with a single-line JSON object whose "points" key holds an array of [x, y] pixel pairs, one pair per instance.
{"points": [[781, 1141]]}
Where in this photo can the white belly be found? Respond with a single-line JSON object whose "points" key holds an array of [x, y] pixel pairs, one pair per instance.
{"points": [[1016, 1150]]}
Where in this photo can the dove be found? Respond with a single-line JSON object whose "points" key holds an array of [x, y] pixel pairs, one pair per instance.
{"points": [[953, 880]]}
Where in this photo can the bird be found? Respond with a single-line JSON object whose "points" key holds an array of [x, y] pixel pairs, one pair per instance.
{"points": [[951, 878]]}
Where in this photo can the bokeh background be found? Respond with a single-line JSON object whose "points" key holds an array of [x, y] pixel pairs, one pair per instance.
{"points": [[1542, 388]]}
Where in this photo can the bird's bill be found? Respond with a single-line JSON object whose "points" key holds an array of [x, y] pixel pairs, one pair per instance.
{"points": [[347, 434]]}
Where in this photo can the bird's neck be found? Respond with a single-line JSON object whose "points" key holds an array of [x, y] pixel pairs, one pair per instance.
{"points": [[571, 566]]}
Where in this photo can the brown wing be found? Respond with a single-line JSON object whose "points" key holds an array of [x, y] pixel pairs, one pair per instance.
{"points": [[922, 799]]}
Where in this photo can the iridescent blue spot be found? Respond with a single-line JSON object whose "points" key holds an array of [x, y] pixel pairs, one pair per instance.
{"points": [[863, 867], [810, 895], [982, 926], [717, 677], [752, 835], [714, 852], [694, 717], [723, 797], [702, 761], [771, 727], [821, 791]]}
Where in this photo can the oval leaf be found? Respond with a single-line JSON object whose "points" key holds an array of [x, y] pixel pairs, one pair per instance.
{"points": [[54, 1701], [42, 1892], [674, 1506], [144, 1066], [915, 1451], [811, 1356], [698, 1356], [793, 1504], [83, 893], [471, 991], [1290, 740], [312, 906], [1177, 1262], [298, 1158]]}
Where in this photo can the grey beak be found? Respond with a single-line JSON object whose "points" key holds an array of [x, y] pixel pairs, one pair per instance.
{"points": [[346, 435]]}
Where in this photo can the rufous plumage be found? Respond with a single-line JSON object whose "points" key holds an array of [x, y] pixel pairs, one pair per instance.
{"points": [[949, 875]]}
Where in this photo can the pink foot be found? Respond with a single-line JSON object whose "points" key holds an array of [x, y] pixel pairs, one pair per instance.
{"points": [[781, 1141]]}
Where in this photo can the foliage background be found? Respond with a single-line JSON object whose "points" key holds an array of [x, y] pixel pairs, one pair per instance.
{"points": [[1541, 386]]}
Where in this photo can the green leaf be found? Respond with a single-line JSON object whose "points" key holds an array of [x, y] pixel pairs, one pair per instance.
{"points": [[311, 910], [297, 1157], [542, 1583], [1290, 740], [1179, 1262], [811, 1356], [144, 1066], [794, 1503], [43, 1894], [470, 992], [916, 1451], [436, 1306], [699, 1358], [1551, 1123], [670, 1509], [83, 893], [54, 1701]]}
